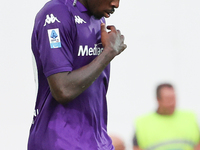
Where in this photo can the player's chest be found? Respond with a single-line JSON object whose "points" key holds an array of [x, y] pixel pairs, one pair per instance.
{"points": [[88, 38]]}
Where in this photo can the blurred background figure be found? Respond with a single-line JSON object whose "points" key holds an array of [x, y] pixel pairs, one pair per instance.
{"points": [[117, 142], [167, 128]]}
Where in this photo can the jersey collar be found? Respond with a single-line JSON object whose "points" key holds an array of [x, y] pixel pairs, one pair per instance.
{"points": [[79, 6]]}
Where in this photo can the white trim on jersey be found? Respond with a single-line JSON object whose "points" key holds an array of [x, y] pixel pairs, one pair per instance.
{"points": [[35, 72]]}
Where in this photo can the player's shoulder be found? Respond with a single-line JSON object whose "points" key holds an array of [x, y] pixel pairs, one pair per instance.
{"points": [[54, 10], [56, 6]]}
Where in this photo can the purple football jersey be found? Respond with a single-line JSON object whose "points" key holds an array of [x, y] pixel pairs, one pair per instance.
{"points": [[65, 38]]}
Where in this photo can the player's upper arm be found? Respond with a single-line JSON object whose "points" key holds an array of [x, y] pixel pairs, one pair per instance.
{"points": [[57, 83], [55, 32]]}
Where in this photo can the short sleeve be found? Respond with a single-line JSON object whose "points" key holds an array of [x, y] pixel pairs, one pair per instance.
{"points": [[53, 37]]}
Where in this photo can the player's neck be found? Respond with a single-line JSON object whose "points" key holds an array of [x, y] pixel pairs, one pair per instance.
{"points": [[84, 2]]}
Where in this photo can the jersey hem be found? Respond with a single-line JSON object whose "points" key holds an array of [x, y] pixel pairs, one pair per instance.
{"points": [[58, 70]]}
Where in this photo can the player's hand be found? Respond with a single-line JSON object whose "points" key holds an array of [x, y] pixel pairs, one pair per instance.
{"points": [[112, 40]]}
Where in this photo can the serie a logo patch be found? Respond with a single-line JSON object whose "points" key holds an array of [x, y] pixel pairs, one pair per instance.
{"points": [[54, 38]]}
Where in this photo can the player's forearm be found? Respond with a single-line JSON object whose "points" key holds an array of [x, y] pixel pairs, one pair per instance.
{"points": [[67, 86]]}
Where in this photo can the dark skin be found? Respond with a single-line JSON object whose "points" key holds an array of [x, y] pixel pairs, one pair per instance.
{"points": [[66, 86], [100, 8]]}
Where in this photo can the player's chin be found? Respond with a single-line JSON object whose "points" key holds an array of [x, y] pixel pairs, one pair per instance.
{"points": [[98, 16]]}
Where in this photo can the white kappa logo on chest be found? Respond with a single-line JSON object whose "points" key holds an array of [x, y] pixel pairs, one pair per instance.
{"points": [[79, 20]]}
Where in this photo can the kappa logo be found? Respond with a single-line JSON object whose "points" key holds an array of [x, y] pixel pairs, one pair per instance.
{"points": [[79, 20], [50, 19]]}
